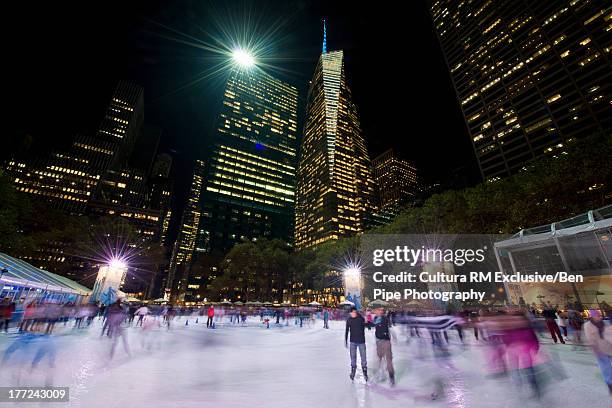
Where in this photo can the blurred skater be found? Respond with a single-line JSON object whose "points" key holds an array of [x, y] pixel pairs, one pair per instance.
{"points": [[116, 315], [211, 316], [575, 322], [326, 319], [594, 331], [383, 335], [562, 323], [7, 308], [550, 316], [141, 312]]}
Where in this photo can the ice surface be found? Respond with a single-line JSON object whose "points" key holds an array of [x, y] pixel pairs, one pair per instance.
{"points": [[288, 366]]}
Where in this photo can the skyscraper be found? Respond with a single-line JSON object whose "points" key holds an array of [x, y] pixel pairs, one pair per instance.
{"points": [[185, 241], [123, 121], [250, 179], [70, 180], [530, 76], [99, 175], [159, 195], [335, 189], [396, 181], [65, 180]]}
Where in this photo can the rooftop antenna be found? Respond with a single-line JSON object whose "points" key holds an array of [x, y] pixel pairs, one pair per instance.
{"points": [[324, 38]]}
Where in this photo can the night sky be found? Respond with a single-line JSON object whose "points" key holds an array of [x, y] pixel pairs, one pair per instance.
{"points": [[65, 58]]}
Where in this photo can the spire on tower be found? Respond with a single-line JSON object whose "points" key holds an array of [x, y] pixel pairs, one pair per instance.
{"points": [[324, 38]]}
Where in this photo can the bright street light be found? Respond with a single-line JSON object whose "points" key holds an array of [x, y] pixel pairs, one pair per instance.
{"points": [[352, 283], [117, 263], [352, 272], [111, 277], [243, 58], [352, 278]]}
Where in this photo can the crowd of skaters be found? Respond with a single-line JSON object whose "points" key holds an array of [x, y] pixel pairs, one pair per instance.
{"points": [[45, 315], [512, 335], [511, 338]]}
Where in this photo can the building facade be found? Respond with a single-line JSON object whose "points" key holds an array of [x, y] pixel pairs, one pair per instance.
{"points": [[248, 185], [530, 76], [65, 180], [335, 190], [159, 192], [249, 189], [396, 181]]}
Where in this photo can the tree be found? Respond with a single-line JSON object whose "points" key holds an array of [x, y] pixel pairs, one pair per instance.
{"points": [[13, 209], [205, 268], [254, 271], [314, 267]]}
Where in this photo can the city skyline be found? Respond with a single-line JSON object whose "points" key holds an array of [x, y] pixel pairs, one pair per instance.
{"points": [[406, 203], [187, 128], [251, 153], [114, 181]]}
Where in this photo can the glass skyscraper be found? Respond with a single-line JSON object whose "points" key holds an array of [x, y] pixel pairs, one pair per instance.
{"points": [[249, 188], [335, 191], [530, 76]]}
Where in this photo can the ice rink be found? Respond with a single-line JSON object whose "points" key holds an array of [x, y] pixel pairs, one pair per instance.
{"points": [[284, 366]]}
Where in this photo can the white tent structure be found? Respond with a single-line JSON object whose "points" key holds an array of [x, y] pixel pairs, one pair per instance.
{"points": [[578, 246], [23, 282]]}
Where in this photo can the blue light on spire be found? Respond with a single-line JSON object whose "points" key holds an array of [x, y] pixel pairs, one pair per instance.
{"points": [[324, 38]]}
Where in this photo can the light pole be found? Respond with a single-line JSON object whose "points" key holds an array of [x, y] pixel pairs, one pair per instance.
{"points": [[110, 278], [352, 284]]}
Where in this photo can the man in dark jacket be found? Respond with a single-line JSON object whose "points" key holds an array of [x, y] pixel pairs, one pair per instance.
{"points": [[355, 326]]}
